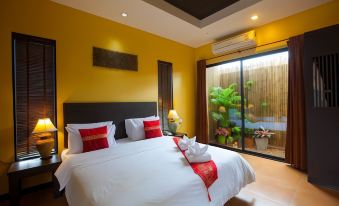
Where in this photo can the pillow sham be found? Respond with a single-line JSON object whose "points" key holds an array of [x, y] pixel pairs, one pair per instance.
{"points": [[94, 139], [152, 129], [135, 127], [75, 144]]}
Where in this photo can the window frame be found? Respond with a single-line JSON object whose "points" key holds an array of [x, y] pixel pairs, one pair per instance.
{"points": [[18, 36], [241, 59], [161, 116]]}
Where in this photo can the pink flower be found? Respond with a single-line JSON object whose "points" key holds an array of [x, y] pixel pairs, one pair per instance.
{"points": [[261, 133], [222, 132]]}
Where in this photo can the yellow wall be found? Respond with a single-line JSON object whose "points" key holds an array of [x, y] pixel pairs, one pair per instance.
{"points": [[315, 18], [76, 33]]}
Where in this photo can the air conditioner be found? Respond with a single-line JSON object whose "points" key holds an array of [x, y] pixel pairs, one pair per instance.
{"points": [[236, 43]]}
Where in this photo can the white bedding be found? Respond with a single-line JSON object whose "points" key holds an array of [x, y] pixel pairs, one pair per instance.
{"points": [[65, 153], [149, 172]]}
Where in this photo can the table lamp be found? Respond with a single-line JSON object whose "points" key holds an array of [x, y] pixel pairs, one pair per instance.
{"points": [[45, 144], [174, 121]]}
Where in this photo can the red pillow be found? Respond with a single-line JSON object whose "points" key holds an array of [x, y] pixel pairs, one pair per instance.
{"points": [[94, 139], [152, 129]]}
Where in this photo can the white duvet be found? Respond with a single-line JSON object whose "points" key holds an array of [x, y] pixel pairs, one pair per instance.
{"points": [[149, 172]]}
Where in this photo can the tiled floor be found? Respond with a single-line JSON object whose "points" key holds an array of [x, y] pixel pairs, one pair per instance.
{"points": [[276, 184]]}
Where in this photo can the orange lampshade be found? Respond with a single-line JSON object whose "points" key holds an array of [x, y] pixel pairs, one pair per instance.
{"points": [[44, 125]]}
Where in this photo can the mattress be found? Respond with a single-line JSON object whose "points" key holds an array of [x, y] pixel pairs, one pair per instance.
{"points": [[149, 172]]}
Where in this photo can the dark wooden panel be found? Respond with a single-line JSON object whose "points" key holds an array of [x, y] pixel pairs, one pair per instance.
{"points": [[322, 112], [110, 111], [113, 59]]}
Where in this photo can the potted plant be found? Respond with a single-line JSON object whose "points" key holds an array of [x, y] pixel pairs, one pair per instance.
{"points": [[249, 141], [221, 133], [261, 137], [236, 134], [229, 140]]}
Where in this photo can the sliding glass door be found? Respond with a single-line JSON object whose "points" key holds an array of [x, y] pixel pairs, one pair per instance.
{"points": [[247, 104]]}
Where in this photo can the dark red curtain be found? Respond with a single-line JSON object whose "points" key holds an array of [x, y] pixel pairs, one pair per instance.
{"points": [[296, 125], [201, 109]]}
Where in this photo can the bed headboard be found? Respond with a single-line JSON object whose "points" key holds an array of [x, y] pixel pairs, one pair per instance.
{"points": [[108, 111]]}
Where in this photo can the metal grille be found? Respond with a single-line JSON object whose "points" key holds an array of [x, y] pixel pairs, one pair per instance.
{"points": [[325, 80]]}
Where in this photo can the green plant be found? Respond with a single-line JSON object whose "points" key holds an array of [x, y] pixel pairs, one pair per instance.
{"points": [[264, 108], [264, 104], [225, 99], [231, 124], [247, 87], [249, 132], [229, 139], [236, 133], [249, 84]]}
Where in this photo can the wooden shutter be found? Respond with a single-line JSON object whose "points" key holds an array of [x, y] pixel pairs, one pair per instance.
{"points": [[325, 80], [165, 91], [33, 89]]}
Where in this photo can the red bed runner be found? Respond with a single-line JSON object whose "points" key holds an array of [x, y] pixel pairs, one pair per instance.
{"points": [[206, 170]]}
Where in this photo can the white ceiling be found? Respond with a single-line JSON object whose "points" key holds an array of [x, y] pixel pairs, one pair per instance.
{"points": [[146, 17]]}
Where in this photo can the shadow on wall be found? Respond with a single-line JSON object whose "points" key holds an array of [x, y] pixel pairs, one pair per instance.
{"points": [[3, 176], [6, 145]]}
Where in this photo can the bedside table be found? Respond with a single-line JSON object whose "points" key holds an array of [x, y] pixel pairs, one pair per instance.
{"points": [[26, 168], [178, 134]]}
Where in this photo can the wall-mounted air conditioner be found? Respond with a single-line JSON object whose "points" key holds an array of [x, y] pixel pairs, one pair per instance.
{"points": [[236, 43]]}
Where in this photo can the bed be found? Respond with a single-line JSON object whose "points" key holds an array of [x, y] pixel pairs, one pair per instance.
{"points": [[145, 172]]}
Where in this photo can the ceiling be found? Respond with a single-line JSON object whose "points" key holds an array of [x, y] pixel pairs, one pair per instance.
{"points": [[201, 13], [180, 26]]}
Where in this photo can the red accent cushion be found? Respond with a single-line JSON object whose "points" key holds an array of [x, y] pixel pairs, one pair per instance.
{"points": [[94, 139], [152, 129]]}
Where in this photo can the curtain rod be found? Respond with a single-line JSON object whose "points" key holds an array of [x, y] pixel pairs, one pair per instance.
{"points": [[247, 49]]}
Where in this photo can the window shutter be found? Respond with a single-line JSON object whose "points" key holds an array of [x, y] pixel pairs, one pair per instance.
{"points": [[165, 92]]}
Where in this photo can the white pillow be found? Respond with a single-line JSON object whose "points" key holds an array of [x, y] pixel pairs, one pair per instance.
{"points": [[90, 125], [135, 127], [75, 145]]}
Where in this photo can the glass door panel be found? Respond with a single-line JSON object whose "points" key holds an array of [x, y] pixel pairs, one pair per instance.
{"points": [[265, 103], [224, 104]]}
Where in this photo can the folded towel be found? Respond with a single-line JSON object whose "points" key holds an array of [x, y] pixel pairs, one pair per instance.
{"points": [[197, 154], [196, 150], [185, 142], [199, 159]]}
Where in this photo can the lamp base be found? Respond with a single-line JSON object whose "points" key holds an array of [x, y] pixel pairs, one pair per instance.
{"points": [[44, 147], [172, 127]]}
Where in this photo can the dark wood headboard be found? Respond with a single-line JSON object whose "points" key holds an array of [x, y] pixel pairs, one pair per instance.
{"points": [[108, 111]]}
